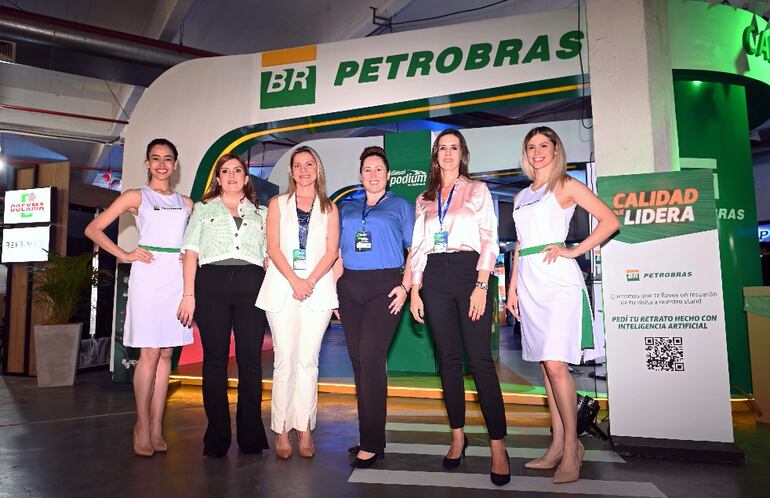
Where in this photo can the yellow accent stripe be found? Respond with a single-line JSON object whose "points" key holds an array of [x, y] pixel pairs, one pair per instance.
{"points": [[346, 192], [289, 56], [379, 115]]}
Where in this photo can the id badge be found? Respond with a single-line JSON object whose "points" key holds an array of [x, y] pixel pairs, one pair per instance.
{"points": [[363, 241], [299, 260], [440, 242]]}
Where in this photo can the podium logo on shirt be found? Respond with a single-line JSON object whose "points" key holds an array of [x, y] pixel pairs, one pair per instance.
{"points": [[290, 79]]}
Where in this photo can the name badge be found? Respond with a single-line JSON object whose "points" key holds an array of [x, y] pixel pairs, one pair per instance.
{"points": [[299, 259], [440, 242], [363, 241]]}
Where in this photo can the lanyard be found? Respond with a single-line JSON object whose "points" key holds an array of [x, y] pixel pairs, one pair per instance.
{"points": [[304, 222], [365, 212], [442, 212]]}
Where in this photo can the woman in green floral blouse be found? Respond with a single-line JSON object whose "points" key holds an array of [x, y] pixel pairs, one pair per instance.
{"points": [[224, 253]]}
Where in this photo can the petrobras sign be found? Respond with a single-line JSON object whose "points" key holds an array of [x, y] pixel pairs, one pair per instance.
{"points": [[21, 245], [423, 63], [27, 206]]}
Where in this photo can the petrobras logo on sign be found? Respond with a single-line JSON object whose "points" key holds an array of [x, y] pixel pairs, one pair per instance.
{"points": [[460, 59], [27, 206], [288, 78], [408, 177]]}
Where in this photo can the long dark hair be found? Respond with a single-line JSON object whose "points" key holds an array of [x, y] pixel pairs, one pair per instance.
{"points": [[434, 179], [159, 141], [215, 189], [320, 177]]}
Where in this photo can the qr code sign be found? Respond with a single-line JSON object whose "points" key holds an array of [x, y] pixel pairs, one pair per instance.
{"points": [[664, 354]]}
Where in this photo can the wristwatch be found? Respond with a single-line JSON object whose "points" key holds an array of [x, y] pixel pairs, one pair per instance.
{"points": [[482, 285]]}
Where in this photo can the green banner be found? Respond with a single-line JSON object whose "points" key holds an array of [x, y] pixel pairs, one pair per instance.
{"points": [[660, 205]]}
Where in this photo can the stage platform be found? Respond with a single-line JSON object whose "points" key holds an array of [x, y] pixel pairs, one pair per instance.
{"points": [[520, 381]]}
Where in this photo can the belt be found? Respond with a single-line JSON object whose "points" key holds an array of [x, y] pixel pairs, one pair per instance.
{"points": [[160, 249], [528, 251]]}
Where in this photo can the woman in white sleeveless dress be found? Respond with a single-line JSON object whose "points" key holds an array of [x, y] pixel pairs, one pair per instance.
{"points": [[298, 295], [548, 293], [154, 286]]}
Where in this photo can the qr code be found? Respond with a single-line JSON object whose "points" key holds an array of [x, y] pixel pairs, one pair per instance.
{"points": [[664, 354]]}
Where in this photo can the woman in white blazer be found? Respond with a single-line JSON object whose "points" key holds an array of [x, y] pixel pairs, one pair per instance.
{"points": [[298, 295]]}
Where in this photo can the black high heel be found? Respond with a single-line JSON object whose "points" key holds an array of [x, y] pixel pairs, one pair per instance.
{"points": [[354, 449], [361, 463], [453, 463], [502, 479]]}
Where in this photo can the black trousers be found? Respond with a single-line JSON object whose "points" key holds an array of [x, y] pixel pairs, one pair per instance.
{"points": [[448, 282], [369, 327], [225, 298]]}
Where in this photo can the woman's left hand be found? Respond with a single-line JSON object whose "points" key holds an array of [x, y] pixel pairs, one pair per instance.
{"points": [[397, 304], [553, 251], [478, 303]]}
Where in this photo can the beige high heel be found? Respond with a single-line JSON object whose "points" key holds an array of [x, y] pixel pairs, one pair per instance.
{"points": [[565, 476], [306, 446], [160, 447], [543, 464], [283, 451], [138, 450]]}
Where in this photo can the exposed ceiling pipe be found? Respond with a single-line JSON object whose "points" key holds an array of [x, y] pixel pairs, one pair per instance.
{"points": [[60, 113], [27, 27]]}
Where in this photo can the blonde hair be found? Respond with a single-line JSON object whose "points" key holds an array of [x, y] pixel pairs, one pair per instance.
{"points": [[320, 180], [559, 173]]}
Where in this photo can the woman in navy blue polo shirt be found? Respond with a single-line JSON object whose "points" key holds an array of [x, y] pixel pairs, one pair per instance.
{"points": [[374, 233]]}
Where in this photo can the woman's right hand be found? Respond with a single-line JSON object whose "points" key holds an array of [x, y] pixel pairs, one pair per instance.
{"points": [[416, 306], [302, 288], [186, 310], [512, 303], [139, 254]]}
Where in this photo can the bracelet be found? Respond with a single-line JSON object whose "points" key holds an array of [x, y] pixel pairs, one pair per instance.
{"points": [[188, 295], [402, 286]]}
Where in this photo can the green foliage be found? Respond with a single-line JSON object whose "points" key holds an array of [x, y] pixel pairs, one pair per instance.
{"points": [[61, 285]]}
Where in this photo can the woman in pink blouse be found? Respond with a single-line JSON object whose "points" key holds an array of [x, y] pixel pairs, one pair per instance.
{"points": [[454, 249]]}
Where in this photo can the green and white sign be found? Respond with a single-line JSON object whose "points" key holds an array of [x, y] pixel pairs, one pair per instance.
{"points": [[663, 309], [32, 205]]}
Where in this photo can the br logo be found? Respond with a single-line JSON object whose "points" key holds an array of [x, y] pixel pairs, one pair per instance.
{"points": [[632, 275], [287, 78]]}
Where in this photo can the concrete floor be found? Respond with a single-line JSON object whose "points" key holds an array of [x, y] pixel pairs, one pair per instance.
{"points": [[76, 442]]}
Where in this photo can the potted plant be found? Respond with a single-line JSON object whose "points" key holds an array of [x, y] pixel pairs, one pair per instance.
{"points": [[61, 288]]}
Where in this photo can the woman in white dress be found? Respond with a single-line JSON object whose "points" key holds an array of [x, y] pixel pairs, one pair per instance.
{"points": [[154, 287], [547, 293]]}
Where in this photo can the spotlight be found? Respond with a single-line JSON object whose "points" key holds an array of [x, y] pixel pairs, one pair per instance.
{"points": [[587, 409]]}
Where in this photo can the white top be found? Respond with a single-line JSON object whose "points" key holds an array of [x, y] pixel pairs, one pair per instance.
{"points": [[275, 288]]}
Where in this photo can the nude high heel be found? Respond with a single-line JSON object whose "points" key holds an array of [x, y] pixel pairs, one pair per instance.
{"points": [[543, 464], [139, 451], [305, 444], [565, 476], [160, 447], [283, 451]]}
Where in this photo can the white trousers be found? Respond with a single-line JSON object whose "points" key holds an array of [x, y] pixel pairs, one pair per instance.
{"points": [[297, 334]]}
